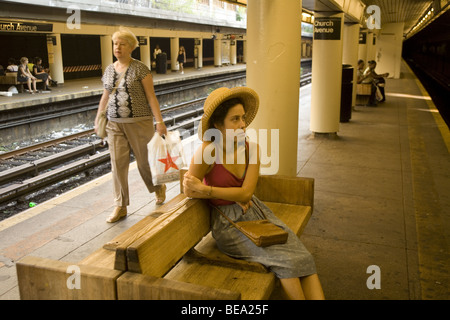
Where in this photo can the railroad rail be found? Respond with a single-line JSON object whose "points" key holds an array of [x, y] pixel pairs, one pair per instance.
{"points": [[35, 167]]}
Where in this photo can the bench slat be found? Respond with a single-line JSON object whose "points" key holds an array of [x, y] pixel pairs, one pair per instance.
{"points": [[162, 246], [285, 189], [135, 286], [46, 279], [251, 285]]}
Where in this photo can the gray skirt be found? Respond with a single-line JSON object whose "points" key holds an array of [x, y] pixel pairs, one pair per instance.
{"points": [[288, 260]]}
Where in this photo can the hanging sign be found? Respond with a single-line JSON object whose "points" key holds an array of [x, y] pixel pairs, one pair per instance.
{"points": [[362, 38], [143, 41], [15, 26], [327, 28]]}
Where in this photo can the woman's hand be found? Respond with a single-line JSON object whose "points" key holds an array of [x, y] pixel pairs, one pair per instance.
{"points": [[161, 128], [192, 186], [245, 206]]}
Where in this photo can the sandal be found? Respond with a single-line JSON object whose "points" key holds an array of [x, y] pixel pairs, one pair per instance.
{"points": [[118, 213], [161, 195]]}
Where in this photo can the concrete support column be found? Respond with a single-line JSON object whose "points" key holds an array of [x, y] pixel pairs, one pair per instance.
{"points": [[389, 49], [106, 51], [55, 59], [362, 48], [217, 52], [370, 47], [174, 49], [233, 52], [199, 48], [326, 74], [273, 71], [350, 52], [144, 47], [244, 54]]}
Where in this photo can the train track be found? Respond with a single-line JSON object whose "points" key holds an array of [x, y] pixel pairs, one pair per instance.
{"points": [[36, 167]]}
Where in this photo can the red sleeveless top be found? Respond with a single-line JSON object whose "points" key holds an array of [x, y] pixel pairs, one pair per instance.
{"points": [[219, 176]]}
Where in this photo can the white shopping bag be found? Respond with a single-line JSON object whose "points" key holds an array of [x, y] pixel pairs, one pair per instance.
{"points": [[166, 157]]}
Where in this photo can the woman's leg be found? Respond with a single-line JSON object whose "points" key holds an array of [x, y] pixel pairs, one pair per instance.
{"points": [[308, 288], [120, 162], [312, 287], [292, 288], [29, 85]]}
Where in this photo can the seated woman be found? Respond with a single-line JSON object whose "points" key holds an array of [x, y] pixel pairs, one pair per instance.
{"points": [[12, 66], [25, 75], [40, 73], [230, 187]]}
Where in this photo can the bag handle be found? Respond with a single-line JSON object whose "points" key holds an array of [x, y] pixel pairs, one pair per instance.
{"points": [[231, 221]]}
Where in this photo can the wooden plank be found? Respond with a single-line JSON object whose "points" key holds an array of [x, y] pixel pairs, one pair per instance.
{"points": [[296, 217], [135, 286], [161, 247], [278, 188], [120, 243], [101, 257], [251, 285], [285, 189], [45, 279], [364, 89]]}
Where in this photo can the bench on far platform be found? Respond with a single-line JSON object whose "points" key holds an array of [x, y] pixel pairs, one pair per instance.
{"points": [[10, 78], [171, 254], [363, 92]]}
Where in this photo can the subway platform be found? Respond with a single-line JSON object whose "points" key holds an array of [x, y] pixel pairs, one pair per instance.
{"points": [[79, 88], [380, 226]]}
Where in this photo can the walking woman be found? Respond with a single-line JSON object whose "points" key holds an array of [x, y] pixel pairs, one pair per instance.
{"points": [[229, 185], [131, 103]]}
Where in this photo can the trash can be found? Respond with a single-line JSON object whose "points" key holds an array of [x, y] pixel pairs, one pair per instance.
{"points": [[161, 63], [346, 92]]}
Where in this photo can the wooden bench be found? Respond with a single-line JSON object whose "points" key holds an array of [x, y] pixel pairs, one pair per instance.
{"points": [[363, 92], [10, 78], [171, 254]]}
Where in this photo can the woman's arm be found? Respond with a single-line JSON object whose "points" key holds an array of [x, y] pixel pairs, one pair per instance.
{"points": [[23, 71], [194, 187], [149, 90], [101, 106]]}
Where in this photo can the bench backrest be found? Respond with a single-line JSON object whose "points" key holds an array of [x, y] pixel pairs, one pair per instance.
{"points": [[158, 250], [279, 188]]}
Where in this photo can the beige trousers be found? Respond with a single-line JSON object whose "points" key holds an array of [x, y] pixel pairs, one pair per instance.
{"points": [[123, 138]]}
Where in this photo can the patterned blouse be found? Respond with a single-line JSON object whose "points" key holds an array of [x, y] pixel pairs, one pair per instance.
{"points": [[128, 103]]}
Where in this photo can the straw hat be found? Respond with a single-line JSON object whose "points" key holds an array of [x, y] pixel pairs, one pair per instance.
{"points": [[248, 96]]}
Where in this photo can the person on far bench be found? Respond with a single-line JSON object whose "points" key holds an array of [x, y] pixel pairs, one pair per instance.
{"points": [[25, 75], [40, 73]]}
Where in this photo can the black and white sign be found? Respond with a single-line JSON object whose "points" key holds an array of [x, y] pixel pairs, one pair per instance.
{"points": [[14, 26], [327, 28]]}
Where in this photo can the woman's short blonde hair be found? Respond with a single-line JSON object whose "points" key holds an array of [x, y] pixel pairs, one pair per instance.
{"points": [[126, 34]]}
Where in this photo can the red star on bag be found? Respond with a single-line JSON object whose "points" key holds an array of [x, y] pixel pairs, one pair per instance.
{"points": [[169, 162]]}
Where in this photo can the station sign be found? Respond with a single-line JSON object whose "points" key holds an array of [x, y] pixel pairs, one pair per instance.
{"points": [[16, 26], [327, 28]]}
